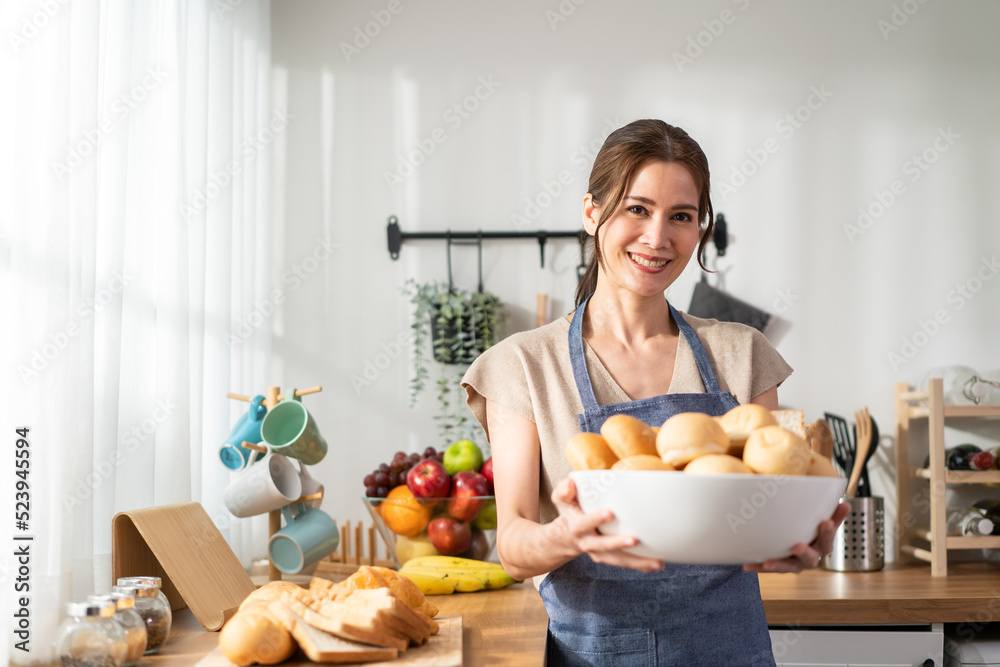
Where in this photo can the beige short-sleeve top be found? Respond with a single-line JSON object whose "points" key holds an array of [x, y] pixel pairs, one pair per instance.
{"points": [[530, 373]]}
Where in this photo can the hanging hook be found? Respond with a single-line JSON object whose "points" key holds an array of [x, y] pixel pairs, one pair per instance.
{"points": [[479, 242], [451, 287], [541, 247]]}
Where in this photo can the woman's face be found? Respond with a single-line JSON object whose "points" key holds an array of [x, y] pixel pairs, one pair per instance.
{"points": [[648, 241]]}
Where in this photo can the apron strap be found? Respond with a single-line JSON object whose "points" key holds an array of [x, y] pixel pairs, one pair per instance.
{"points": [[700, 356], [579, 362]]}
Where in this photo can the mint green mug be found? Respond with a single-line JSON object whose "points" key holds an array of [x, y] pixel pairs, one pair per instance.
{"points": [[290, 430], [308, 536]]}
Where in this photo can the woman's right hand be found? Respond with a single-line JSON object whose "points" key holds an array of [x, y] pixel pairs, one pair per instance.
{"points": [[580, 531]]}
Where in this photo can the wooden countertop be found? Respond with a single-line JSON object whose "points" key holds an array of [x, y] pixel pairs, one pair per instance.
{"points": [[507, 627], [504, 627], [896, 594]]}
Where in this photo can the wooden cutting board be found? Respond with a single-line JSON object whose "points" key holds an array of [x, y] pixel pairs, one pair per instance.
{"points": [[442, 650]]}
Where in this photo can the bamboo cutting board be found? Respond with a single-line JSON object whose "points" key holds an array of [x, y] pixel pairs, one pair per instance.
{"points": [[442, 650]]}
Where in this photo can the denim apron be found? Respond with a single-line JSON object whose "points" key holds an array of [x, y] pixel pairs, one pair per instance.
{"points": [[682, 615]]}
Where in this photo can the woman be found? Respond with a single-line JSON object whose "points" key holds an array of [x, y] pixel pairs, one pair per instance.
{"points": [[627, 350]]}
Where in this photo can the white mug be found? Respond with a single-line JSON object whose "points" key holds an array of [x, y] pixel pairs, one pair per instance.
{"points": [[267, 484]]}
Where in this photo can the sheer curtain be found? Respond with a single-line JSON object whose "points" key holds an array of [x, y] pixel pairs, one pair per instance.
{"points": [[134, 218]]}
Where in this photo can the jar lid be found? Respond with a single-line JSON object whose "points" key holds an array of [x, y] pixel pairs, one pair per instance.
{"points": [[120, 600], [138, 590], [130, 581], [102, 609]]}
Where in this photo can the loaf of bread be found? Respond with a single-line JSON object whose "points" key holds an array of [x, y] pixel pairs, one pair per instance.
{"points": [[791, 420], [628, 436], [740, 421], [717, 464], [772, 450], [641, 462], [254, 636], [589, 451], [820, 466], [688, 435]]}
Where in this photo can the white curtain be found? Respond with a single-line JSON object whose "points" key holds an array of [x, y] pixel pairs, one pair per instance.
{"points": [[134, 218]]}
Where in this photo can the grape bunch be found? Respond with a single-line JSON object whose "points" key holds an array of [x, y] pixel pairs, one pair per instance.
{"points": [[387, 476]]}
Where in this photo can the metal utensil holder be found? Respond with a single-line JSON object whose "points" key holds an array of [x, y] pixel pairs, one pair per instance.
{"points": [[859, 543]]}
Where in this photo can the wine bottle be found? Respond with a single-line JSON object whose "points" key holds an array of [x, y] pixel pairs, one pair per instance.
{"points": [[990, 509], [965, 457], [968, 521]]}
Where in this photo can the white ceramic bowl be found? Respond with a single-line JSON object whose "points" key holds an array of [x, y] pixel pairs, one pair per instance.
{"points": [[710, 519]]}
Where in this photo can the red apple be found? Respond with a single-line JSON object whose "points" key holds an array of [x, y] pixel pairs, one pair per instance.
{"points": [[479, 546], [448, 536], [428, 479], [463, 503], [487, 472]]}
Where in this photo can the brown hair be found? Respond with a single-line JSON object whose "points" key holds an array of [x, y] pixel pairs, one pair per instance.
{"points": [[625, 151]]}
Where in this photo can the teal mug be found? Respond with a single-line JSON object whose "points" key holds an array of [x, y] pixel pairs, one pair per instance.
{"points": [[308, 536], [290, 430], [233, 455]]}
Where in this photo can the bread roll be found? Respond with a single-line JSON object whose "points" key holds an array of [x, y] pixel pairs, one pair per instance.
{"points": [[717, 464], [771, 450], [820, 466], [738, 422], [254, 635], [688, 435], [628, 436], [589, 451], [641, 462]]}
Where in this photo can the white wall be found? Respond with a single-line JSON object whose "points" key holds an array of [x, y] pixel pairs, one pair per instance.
{"points": [[888, 96]]}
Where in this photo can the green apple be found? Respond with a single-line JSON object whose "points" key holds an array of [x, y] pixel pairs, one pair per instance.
{"points": [[408, 548], [463, 455], [487, 517]]}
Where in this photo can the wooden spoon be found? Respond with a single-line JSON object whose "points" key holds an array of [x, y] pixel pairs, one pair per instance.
{"points": [[863, 425]]}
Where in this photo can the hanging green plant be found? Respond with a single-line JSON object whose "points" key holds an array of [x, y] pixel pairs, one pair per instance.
{"points": [[458, 325]]}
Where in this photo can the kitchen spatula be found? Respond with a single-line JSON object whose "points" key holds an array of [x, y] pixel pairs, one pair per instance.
{"points": [[843, 447]]}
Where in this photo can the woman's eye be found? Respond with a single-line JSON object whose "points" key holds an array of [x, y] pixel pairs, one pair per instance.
{"points": [[638, 210], [686, 217]]}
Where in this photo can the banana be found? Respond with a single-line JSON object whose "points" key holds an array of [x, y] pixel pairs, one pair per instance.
{"points": [[431, 584], [437, 575]]}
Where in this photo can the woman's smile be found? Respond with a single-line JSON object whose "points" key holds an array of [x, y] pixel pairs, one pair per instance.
{"points": [[647, 263]]}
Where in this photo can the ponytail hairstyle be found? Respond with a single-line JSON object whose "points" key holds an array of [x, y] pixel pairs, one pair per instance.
{"points": [[624, 153]]}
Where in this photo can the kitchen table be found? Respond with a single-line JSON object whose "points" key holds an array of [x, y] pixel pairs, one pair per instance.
{"points": [[507, 627], [502, 627]]}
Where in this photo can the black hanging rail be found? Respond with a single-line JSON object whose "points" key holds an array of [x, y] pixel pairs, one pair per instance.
{"points": [[396, 236]]}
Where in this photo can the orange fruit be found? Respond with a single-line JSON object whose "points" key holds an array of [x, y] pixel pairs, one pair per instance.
{"points": [[403, 514]]}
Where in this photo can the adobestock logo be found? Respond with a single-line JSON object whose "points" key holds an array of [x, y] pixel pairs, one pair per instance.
{"points": [[455, 115]]}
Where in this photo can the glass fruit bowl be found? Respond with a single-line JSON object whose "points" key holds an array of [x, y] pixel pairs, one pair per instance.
{"points": [[412, 527]]}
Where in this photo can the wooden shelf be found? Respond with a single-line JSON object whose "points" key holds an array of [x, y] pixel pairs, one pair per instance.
{"points": [[929, 405], [961, 476]]}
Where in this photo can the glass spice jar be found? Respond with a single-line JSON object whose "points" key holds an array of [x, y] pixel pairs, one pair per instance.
{"points": [[90, 636], [132, 624], [154, 609]]}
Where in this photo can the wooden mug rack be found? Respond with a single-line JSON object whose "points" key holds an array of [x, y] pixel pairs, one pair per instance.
{"points": [[274, 396]]}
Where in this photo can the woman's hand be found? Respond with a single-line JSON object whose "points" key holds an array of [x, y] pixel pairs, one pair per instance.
{"points": [[806, 556], [580, 531]]}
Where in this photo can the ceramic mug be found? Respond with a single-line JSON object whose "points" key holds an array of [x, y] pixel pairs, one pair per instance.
{"points": [[265, 485], [308, 536], [289, 429], [247, 428]]}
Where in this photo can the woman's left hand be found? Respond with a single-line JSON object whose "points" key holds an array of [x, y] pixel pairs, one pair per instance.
{"points": [[806, 556]]}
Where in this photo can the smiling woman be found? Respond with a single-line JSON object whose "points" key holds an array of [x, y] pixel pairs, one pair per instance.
{"points": [[626, 351]]}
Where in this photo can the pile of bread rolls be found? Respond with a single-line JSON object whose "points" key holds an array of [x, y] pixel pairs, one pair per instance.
{"points": [[372, 615], [749, 439]]}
